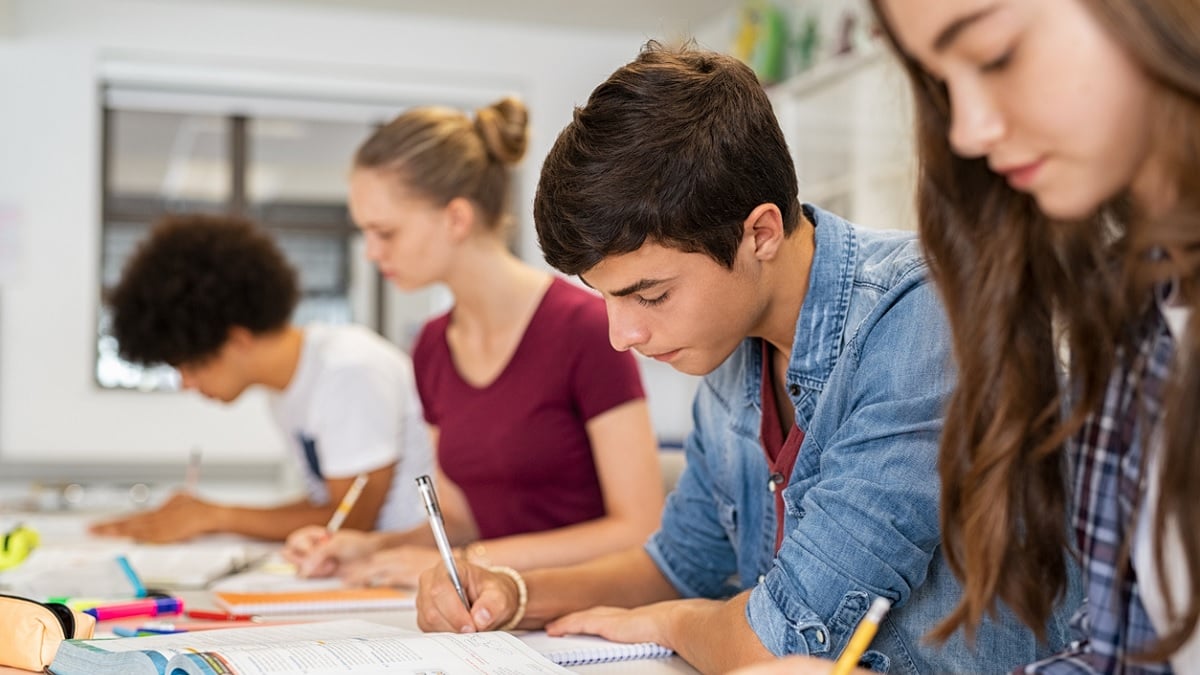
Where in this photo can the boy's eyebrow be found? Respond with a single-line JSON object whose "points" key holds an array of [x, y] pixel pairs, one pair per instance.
{"points": [[951, 32], [639, 285]]}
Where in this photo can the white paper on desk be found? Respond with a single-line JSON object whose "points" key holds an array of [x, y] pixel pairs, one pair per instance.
{"points": [[86, 569], [193, 565], [147, 654], [261, 635], [336, 647], [417, 654], [79, 573], [274, 575]]}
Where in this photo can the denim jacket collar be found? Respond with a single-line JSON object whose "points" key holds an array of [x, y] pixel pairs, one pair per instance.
{"points": [[820, 326]]}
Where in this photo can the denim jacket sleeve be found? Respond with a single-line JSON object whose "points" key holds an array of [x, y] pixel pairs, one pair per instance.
{"points": [[862, 507], [693, 548]]}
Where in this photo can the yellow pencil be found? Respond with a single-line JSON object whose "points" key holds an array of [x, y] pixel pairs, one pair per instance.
{"points": [[862, 637], [343, 509]]}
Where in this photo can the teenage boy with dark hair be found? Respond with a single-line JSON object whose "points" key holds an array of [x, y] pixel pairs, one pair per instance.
{"points": [[811, 484], [213, 296]]}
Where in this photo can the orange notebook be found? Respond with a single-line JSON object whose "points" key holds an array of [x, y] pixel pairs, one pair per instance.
{"points": [[305, 602]]}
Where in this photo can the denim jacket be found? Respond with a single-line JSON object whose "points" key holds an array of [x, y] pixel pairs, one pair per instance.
{"points": [[869, 376]]}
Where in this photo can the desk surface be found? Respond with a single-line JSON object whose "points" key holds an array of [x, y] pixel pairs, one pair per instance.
{"points": [[69, 533], [406, 618]]}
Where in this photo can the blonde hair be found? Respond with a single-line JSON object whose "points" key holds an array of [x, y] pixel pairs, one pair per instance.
{"points": [[442, 154]]}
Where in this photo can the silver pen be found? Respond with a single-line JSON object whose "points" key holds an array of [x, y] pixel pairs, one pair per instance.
{"points": [[425, 486]]}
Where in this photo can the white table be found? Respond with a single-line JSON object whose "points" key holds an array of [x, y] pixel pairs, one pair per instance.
{"points": [[407, 618], [70, 530]]}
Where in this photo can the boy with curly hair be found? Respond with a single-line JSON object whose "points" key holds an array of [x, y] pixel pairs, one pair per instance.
{"points": [[212, 296]]}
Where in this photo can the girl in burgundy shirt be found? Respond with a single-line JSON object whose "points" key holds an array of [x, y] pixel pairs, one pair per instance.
{"points": [[543, 439]]}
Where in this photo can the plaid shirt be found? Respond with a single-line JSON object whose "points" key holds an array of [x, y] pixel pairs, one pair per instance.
{"points": [[1106, 461]]}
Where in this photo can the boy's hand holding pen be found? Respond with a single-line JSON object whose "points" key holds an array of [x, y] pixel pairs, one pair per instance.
{"points": [[438, 526]]}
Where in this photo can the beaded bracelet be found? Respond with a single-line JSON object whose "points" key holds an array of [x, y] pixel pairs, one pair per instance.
{"points": [[522, 595]]}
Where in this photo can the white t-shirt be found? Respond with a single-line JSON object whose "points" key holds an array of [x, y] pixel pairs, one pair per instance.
{"points": [[1150, 586], [352, 407]]}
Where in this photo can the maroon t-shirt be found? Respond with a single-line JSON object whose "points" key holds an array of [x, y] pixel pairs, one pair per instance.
{"points": [[518, 447], [781, 452]]}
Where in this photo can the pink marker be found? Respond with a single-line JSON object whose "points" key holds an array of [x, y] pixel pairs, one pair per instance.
{"points": [[143, 607]]}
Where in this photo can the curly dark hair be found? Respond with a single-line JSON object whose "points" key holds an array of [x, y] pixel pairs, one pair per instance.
{"points": [[194, 278]]}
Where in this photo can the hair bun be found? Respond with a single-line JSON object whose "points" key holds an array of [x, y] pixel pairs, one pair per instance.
{"points": [[503, 126]]}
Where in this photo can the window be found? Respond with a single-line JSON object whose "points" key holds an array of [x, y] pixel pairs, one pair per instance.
{"points": [[281, 163]]}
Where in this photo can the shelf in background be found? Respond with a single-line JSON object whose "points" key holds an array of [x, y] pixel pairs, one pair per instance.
{"points": [[832, 69]]}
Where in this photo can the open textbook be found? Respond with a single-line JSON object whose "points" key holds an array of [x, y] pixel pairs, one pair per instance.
{"points": [[86, 568], [193, 565], [326, 648]]}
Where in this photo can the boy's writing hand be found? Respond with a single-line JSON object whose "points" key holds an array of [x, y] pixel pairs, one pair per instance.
{"points": [[494, 599]]}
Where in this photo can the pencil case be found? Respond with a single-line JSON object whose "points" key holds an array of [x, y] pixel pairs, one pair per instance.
{"points": [[31, 631]]}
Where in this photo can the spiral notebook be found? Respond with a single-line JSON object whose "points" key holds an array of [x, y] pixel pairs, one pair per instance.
{"points": [[306, 602], [583, 650]]}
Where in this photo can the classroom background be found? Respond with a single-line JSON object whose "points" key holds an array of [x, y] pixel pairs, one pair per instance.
{"points": [[116, 111]]}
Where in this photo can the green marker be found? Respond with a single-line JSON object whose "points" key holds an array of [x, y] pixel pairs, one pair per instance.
{"points": [[79, 604]]}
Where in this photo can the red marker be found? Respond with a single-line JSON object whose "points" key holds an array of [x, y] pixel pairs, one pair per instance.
{"points": [[215, 615]]}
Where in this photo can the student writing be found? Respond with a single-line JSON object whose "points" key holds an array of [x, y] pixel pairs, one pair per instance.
{"points": [[212, 296], [544, 445], [810, 486]]}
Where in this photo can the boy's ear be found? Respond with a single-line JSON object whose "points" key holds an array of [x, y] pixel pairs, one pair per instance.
{"points": [[239, 337], [764, 226]]}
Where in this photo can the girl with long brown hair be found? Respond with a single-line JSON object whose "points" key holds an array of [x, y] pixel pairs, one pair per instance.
{"points": [[1059, 205]]}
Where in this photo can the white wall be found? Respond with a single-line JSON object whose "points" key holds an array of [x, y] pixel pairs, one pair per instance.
{"points": [[7, 15], [50, 57]]}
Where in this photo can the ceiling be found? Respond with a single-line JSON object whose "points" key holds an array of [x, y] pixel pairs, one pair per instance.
{"points": [[666, 18]]}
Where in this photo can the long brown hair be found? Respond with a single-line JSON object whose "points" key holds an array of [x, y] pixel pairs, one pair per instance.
{"points": [[1017, 287]]}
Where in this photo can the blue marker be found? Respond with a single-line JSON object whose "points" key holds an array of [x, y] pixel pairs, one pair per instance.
{"points": [[141, 631], [153, 630], [163, 627], [138, 589]]}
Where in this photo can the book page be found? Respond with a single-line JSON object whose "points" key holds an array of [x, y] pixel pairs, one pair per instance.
{"points": [[176, 643], [78, 572], [191, 565], [443, 653], [85, 568]]}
